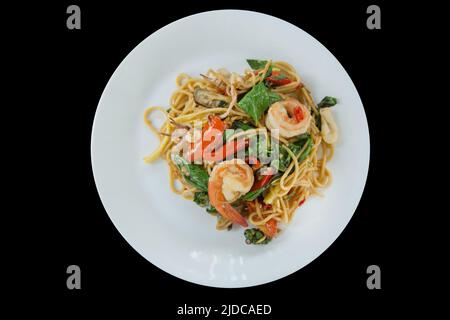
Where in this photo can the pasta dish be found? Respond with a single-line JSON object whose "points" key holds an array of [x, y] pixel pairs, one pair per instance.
{"points": [[249, 148]]}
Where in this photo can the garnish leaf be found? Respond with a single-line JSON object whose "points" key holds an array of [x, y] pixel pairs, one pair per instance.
{"points": [[252, 195], [324, 103], [257, 101], [194, 174], [285, 159], [327, 102], [202, 199], [241, 125], [258, 65], [254, 236]]}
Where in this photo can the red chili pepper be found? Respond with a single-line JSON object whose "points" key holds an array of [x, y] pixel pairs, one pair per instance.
{"points": [[197, 148], [270, 228], [275, 73], [298, 113], [255, 163], [262, 182], [226, 150], [278, 82], [301, 202]]}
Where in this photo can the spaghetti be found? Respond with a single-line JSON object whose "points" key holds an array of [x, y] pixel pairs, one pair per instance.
{"points": [[218, 170]]}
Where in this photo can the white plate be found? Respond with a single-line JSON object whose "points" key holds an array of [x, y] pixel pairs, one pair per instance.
{"points": [[175, 234]]}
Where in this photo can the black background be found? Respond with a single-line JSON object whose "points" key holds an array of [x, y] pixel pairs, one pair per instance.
{"points": [[74, 67]]}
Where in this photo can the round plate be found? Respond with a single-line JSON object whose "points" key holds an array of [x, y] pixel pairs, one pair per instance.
{"points": [[175, 234]]}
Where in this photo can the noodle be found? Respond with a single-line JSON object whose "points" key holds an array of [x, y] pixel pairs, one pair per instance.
{"points": [[304, 176]]}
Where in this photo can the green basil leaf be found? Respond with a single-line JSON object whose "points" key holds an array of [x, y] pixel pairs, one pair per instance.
{"points": [[211, 209], [252, 195], [258, 65], [285, 159], [324, 103], [241, 125], [254, 235], [201, 198], [194, 174], [257, 101], [279, 77], [327, 102]]}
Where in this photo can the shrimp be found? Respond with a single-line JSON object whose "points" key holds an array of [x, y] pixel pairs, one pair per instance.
{"points": [[290, 116], [227, 182]]}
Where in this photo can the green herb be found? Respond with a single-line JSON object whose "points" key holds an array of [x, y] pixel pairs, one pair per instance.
{"points": [[194, 174], [241, 125], [211, 209], [257, 100], [258, 65], [324, 103], [327, 102], [285, 159], [306, 152], [236, 125], [252, 195], [254, 236], [279, 77], [201, 198]]}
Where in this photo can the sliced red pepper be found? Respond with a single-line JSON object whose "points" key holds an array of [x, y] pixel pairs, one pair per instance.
{"points": [[197, 149], [270, 228], [275, 73], [298, 114], [253, 161], [273, 78], [301, 202], [262, 182], [226, 150], [279, 82]]}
